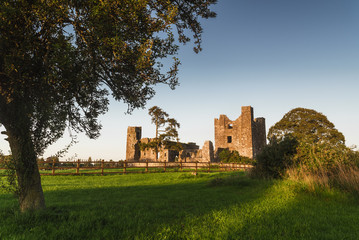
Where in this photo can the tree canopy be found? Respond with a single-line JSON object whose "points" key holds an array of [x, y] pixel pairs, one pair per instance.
{"points": [[61, 60], [307, 125], [302, 138]]}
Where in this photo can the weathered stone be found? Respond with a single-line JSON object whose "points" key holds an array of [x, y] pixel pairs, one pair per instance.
{"points": [[207, 152], [245, 135], [132, 147], [190, 152]]}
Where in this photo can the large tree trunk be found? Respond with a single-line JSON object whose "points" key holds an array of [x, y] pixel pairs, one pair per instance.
{"points": [[30, 192]]}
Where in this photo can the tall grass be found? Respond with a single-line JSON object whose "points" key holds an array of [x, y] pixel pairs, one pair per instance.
{"points": [[341, 175], [315, 166]]}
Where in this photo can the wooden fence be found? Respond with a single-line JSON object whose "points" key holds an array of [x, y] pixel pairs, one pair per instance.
{"points": [[125, 167]]}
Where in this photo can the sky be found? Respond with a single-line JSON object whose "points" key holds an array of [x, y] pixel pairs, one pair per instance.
{"points": [[274, 55]]}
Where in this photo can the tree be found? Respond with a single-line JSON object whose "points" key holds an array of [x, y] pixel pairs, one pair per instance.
{"points": [[308, 126], [276, 158], [158, 117], [166, 135], [60, 61], [319, 143]]}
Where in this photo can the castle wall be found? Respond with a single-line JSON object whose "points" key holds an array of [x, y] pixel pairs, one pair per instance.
{"points": [[132, 146], [147, 154], [225, 133], [245, 135], [207, 152], [190, 152], [245, 144], [259, 135]]}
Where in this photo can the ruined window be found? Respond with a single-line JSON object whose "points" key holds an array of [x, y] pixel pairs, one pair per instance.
{"points": [[230, 126], [229, 139], [138, 135]]}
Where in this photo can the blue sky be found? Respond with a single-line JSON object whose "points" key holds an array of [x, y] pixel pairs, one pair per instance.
{"points": [[274, 55]]}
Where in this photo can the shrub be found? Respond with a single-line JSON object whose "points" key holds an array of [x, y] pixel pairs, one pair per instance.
{"points": [[318, 156], [227, 156], [338, 168], [275, 158]]}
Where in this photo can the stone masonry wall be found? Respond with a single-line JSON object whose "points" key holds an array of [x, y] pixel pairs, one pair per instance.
{"points": [[207, 152], [245, 134], [259, 135], [132, 147], [190, 152]]}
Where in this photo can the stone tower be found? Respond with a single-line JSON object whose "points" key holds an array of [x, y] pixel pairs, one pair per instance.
{"points": [[245, 134], [132, 148]]}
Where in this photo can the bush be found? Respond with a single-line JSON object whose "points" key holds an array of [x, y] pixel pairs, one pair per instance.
{"points": [[324, 156], [325, 168], [275, 158], [227, 156]]}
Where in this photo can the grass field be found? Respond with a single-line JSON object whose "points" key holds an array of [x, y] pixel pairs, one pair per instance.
{"points": [[181, 206]]}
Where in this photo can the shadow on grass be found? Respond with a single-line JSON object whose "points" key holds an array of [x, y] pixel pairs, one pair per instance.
{"points": [[126, 212], [203, 207]]}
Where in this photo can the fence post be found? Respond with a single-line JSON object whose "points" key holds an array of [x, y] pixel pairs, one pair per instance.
{"points": [[220, 166], [165, 166], [102, 166], [146, 166], [124, 167], [78, 166], [196, 166], [209, 166], [181, 164], [53, 167], [233, 167]]}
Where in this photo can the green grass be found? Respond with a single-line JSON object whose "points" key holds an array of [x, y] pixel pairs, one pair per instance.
{"points": [[180, 206], [65, 171]]}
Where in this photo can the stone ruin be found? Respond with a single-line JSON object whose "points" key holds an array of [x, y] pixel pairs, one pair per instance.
{"points": [[245, 135], [190, 153]]}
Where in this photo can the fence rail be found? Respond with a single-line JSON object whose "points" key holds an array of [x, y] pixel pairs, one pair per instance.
{"points": [[125, 167]]}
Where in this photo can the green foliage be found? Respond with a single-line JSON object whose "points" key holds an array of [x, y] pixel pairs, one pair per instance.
{"points": [[326, 169], [320, 161], [161, 119], [307, 126], [303, 137], [60, 61], [323, 156], [166, 131], [177, 146], [276, 158], [227, 156], [11, 184]]}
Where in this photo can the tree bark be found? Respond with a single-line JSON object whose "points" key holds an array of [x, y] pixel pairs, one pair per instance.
{"points": [[29, 190]]}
